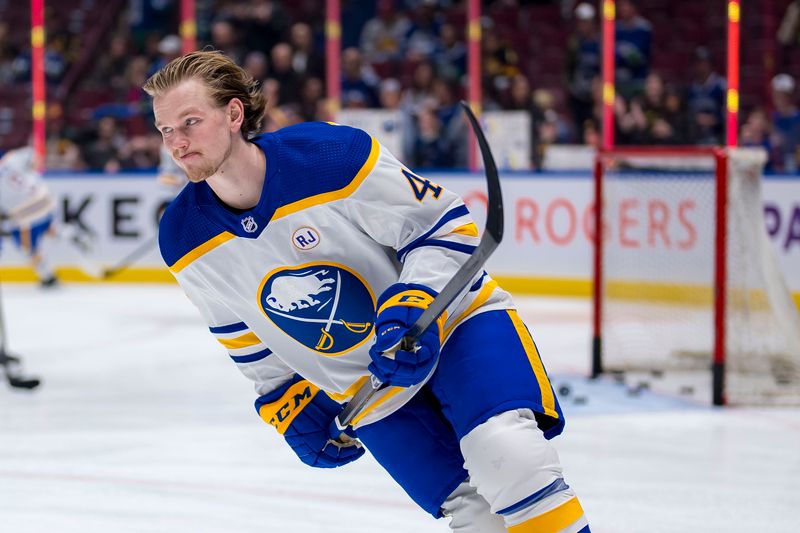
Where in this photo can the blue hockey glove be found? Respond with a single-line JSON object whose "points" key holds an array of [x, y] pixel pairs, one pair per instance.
{"points": [[305, 415], [398, 308]]}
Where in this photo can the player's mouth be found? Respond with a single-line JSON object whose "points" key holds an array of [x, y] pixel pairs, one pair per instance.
{"points": [[188, 156]]}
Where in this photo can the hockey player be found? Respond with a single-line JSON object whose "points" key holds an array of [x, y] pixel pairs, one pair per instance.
{"points": [[309, 252], [27, 208]]}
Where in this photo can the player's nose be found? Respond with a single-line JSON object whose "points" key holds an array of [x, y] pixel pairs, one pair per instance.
{"points": [[177, 142]]}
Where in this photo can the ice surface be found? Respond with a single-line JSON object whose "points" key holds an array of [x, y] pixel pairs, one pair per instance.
{"points": [[143, 424]]}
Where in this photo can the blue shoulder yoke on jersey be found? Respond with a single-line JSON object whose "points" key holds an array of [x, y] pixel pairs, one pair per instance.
{"points": [[307, 164], [183, 228], [313, 163]]}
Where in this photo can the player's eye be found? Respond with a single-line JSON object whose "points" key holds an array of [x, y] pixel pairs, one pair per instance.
{"points": [[166, 131], [192, 121]]}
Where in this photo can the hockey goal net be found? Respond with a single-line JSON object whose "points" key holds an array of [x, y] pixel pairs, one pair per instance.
{"points": [[688, 292]]}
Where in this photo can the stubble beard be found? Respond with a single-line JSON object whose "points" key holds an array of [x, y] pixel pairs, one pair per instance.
{"points": [[205, 170]]}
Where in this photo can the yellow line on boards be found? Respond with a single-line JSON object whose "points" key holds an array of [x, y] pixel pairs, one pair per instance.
{"points": [[521, 285]]}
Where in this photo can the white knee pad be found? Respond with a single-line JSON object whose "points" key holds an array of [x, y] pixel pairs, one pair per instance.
{"points": [[469, 512], [515, 469]]}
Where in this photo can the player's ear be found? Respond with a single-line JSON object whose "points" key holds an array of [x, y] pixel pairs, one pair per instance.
{"points": [[236, 111]]}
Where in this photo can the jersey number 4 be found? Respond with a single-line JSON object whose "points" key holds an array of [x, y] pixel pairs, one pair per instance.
{"points": [[421, 186]]}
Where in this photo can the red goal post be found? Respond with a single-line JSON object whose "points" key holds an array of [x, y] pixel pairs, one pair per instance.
{"points": [[685, 281]]}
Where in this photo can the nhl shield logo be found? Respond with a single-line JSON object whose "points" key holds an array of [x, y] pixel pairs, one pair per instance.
{"points": [[324, 306], [249, 224]]}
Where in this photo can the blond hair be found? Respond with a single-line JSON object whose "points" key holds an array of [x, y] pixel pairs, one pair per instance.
{"points": [[223, 78]]}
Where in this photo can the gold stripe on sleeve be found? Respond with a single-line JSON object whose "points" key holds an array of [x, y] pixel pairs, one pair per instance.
{"points": [[248, 339]]}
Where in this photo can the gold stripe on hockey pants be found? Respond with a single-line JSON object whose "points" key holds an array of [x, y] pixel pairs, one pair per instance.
{"points": [[552, 521]]}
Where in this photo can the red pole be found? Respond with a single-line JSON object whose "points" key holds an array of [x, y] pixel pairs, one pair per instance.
{"points": [[188, 29], [597, 264], [39, 107], [720, 278], [333, 56], [609, 42], [474, 69], [734, 12]]}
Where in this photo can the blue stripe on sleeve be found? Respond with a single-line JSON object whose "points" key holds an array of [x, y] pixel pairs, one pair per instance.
{"points": [[457, 246], [251, 357], [454, 213], [229, 328], [477, 284]]}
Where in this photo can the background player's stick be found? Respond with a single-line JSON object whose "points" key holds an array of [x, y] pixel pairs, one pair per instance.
{"points": [[492, 236], [11, 364], [128, 261]]}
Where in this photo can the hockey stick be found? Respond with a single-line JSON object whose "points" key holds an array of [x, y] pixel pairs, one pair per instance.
{"points": [[11, 363], [128, 261], [492, 236]]}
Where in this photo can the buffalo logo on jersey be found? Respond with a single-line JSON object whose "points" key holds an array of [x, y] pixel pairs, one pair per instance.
{"points": [[325, 307]]}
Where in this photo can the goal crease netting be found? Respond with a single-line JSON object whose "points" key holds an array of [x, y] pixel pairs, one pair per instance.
{"points": [[678, 296]]}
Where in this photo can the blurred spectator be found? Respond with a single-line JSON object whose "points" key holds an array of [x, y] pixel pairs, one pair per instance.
{"points": [[757, 131], [662, 113], [451, 54], [390, 93], [423, 35], [633, 39], [499, 60], [629, 121], [168, 48], [148, 18], [306, 59], [102, 153], [278, 114], [383, 37], [111, 66], [140, 112], [675, 115], [419, 90], [547, 126], [256, 65], [429, 151], [55, 65], [7, 54], [789, 31], [141, 152], [283, 72], [786, 121], [705, 101], [358, 82], [311, 100], [225, 37], [582, 65], [446, 92], [521, 99], [263, 22]]}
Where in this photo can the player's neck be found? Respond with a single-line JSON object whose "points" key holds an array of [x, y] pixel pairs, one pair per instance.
{"points": [[240, 180]]}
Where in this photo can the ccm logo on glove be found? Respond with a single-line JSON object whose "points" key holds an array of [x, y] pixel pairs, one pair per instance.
{"points": [[281, 413]]}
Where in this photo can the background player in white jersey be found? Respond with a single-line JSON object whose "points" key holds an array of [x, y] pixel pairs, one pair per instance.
{"points": [[27, 208], [309, 252]]}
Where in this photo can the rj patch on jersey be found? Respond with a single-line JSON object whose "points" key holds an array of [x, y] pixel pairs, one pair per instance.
{"points": [[326, 307]]}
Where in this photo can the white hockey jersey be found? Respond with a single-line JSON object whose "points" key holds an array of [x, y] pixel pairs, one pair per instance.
{"points": [[290, 286], [24, 198]]}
